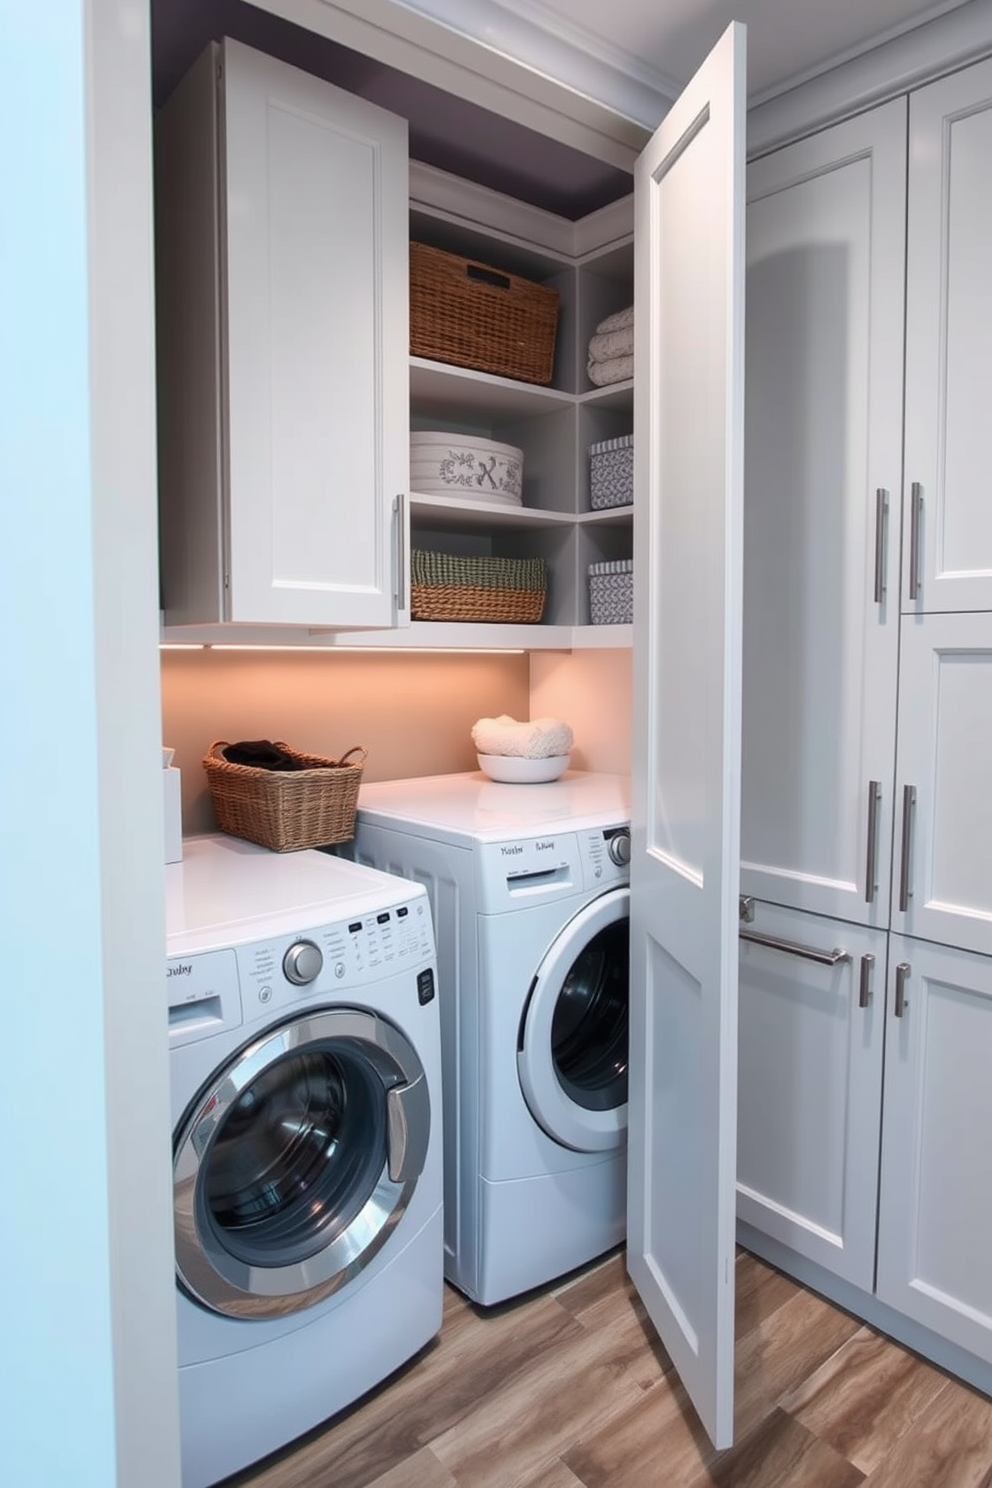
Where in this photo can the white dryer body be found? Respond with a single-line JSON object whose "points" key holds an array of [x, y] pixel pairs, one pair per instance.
{"points": [[529, 892]]}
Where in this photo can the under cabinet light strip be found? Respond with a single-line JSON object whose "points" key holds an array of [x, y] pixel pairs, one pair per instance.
{"points": [[351, 650]]}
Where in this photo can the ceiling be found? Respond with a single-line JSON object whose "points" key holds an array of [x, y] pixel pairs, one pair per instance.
{"points": [[633, 55]]}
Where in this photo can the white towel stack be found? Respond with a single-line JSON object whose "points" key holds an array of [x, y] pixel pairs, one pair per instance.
{"points": [[611, 349], [541, 738]]}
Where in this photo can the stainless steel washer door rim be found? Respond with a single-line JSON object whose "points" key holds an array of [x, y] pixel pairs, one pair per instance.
{"points": [[296, 1161], [572, 1054]]}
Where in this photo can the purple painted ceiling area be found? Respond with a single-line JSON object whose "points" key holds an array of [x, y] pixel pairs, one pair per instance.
{"points": [[446, 132]]}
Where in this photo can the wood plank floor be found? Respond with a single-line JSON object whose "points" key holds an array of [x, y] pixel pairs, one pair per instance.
{"points": [[569, 1388]]}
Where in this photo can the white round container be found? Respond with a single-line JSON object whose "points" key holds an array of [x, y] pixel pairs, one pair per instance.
{"points": [[463, 465], [512, 769]]}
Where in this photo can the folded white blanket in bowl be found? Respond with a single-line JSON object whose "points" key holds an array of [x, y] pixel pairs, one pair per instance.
{"points": [[539, 739]]}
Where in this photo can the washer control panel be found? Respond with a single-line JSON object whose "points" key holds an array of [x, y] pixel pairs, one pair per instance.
{"points": [[216, 989]]}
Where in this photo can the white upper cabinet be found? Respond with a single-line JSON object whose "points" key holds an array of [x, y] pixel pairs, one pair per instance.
{"points": [[823, 456], [283, 355], [948, 514], [943, 880], [685, 866], [935, 1203]]}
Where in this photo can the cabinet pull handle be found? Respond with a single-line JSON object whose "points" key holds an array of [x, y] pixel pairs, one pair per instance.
{"points": [[793, 948], [915, 514], [871, 856], [901, 1000], [908, 803], [881, 509], [399, 507], [864, 985]]}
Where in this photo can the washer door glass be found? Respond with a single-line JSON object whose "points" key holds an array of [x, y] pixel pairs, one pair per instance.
{"points": [[296, 1162], [572, 1057]]}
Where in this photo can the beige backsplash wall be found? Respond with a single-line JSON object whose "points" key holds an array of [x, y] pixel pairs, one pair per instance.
{"points": [[413, 712], [592, 691]]}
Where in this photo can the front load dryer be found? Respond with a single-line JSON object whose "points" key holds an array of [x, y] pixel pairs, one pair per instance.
{"points": [[306, 1084], [529, 891]]}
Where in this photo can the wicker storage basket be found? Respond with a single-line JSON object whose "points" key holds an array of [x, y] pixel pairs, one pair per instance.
{"points": [[286, 809], [444, 586], [468, 313]]}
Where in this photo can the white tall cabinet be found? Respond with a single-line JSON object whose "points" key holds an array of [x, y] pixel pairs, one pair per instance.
{"points": [[866, 936]]}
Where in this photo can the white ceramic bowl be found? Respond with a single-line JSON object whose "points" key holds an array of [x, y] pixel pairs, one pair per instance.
{"points": [[511, 769], [462, 465]]}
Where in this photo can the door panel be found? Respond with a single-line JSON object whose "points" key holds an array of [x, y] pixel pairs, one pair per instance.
{"points": [[948, 564], [943, 881], [688, 421], [812, 1019], [935, 1198], [317, 367], [823, 461]]}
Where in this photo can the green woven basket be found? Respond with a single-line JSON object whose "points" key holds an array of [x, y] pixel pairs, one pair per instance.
{"points": [[447, 586]]}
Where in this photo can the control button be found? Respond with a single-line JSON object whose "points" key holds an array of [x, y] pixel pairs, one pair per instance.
{"points": [[339, 969], [265, 994], [619, 848], [302, 962], [425, 986]]}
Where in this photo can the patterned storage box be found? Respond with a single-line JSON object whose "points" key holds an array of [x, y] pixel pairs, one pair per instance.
{"points": [[611, 592], [611, 473]]}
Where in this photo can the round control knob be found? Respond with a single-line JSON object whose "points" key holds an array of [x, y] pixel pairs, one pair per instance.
{"points": [[619, 848], [302, 962]]}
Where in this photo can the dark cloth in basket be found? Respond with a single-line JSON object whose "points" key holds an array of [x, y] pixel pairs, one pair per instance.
{"points": [[261, 753]]}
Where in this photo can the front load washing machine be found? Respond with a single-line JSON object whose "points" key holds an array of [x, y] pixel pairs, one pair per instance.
{"points": [[306, 1084], [529, 891]]}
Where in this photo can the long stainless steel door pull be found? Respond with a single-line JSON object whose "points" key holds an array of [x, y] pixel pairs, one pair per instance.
{"points": [[908, 804], [871, 856], [881, 511], [901, 1000], [793, 948], [915, 515], [864, 985], [400, 588]]}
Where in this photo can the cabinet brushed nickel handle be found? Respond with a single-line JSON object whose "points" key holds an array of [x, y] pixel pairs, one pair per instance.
{"points": [[793, 948], [881, 510], [871, 856], [745, 908], [908, 805], [901, 1000], [399, 507], [864, 985], [915, 514]]}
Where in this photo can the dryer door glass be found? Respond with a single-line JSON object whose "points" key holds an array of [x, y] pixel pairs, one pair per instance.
{"points": [[296, 1162], [572, 1054]]}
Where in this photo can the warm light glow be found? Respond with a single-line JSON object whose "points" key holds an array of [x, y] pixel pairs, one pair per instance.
{"points": [[356, 650]]}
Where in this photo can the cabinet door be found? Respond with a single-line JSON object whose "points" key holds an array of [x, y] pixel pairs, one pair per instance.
{"points": [[812, 1019], [823, 447], [685, 865], [935, 1197], [316, 355], [948, 562], [943, 882]]}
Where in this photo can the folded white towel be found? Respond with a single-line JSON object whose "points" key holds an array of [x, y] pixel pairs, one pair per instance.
{"points": [[618, 369], [608, 344], [618, 322], [539, 739]]}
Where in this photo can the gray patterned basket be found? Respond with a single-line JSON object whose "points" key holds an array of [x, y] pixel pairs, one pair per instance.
{"points": [[611, 592], [611, 472], [447, 586]]}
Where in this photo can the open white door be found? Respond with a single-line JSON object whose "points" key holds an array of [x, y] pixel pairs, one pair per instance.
{"points": [[688, 443]]}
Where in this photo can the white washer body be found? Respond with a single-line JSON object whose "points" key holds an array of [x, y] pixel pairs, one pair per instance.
{"points": [[307, 1141], [521, 879]]}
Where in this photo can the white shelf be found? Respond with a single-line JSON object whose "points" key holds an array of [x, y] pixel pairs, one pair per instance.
{"points": [[439, 512], [436, 389]]}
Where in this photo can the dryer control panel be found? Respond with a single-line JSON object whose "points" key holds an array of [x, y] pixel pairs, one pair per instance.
{"points": [[536, 870]]}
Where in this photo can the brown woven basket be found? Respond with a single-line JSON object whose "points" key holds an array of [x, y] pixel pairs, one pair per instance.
{"points": [[473, 315], [448, 586], [286, 809]]}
